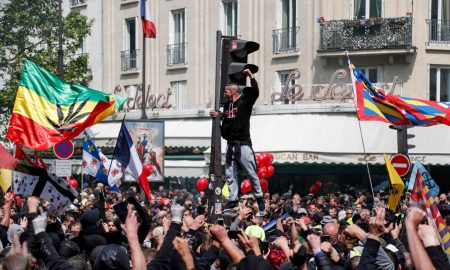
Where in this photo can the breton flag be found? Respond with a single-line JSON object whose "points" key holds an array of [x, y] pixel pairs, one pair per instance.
{"points": [[126, 154], [28, 180], [97, 164], [148, 27], [48, 110]]}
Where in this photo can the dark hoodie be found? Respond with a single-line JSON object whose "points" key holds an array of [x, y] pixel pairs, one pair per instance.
{"points": [[111, 256]]}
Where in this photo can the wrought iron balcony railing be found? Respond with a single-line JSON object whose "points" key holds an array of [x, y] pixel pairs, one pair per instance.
{"points": [[438, 31], [285, 40], [129, 60], [176, 54], [376, 33]]}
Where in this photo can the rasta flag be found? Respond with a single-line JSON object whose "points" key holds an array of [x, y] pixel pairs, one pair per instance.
{"points": [[48, 110]]}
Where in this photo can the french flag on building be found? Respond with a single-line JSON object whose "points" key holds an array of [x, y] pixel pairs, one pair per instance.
{"points": [[148, 27], [127, 155]]}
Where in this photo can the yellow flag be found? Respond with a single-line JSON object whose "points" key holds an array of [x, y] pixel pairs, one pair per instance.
{"points": [[225, 191], [397, 186], [5, 179]]}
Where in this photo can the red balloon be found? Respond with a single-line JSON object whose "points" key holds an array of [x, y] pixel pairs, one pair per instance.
{"points": [[164, 201], [318, 183], [262, 172], [246, 186], [73, 183], [270, 156], [202, 183], [147, 170], [264, 184], [270, 171], [258, 160]]}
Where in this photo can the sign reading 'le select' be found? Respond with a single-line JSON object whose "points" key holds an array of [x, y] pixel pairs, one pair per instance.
{"points": [[401, 164]]}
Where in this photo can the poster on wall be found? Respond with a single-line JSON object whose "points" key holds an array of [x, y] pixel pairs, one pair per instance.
{"points": [[148, 136]]}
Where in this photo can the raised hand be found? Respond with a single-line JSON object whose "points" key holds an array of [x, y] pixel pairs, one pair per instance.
{"points": [[17, 257]]}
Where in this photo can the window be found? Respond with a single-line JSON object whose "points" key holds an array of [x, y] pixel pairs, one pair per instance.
{"points": [[231, 17], [439, 25], [285, 39], [179, 94], [282, 81], [176, 51], [129, 54], [74, 3], [440, 83], [371, 73], [365, 9]]}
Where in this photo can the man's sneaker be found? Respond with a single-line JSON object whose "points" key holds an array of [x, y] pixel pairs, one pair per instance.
{"points": [[231, 206], [261, 207]]}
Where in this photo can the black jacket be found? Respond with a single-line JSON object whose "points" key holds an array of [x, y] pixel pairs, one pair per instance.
{"points": [[236, 117]]}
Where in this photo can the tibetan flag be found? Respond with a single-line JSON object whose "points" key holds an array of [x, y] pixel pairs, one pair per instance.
{"points": [[28, 180], [397, 186], [374, 104], [96, 164], [432, 209], [7, 161], [148, 27], [126, 154], [48, 110]]}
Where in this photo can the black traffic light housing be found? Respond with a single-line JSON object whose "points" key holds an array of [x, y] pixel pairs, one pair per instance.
{"points": [[234, 61], [403, 137]]}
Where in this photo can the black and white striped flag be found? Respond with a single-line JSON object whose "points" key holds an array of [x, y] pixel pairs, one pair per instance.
{"points": [[38, 182]]}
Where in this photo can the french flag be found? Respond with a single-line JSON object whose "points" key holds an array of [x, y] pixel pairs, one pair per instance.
{"points": [[148, 27], [125, 152]]}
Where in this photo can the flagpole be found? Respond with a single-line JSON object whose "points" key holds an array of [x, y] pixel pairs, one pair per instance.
{"points": [[362, 138], [143, 115], [114, 152]]}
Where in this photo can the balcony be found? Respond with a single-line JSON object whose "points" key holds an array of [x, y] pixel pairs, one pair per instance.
{"points": [[377, 36], [129, 60], [176, 54], [438, 31], [285, 40]]}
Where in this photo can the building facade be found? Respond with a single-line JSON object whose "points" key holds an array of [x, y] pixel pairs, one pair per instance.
{"points": [[305, 114]]}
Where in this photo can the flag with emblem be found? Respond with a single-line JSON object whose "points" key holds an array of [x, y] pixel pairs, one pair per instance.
{"points": [[28, 180], [48, 110], [396, 187], [97, 164]]}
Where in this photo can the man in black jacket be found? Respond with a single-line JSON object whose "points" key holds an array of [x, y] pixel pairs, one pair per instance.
{"points": [[236, 130]]}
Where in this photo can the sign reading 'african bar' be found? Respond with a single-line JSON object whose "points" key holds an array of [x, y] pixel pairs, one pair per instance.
{"points": [[48, 110]]}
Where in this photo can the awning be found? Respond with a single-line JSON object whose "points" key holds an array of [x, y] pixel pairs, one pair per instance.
{"points": [[172, 168], [178, 132], [185, 168], [336, 139]]}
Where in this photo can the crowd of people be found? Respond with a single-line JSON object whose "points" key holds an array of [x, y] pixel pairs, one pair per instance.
{"points": [[105, 230]]}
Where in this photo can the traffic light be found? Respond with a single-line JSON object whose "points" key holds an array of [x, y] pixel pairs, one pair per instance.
{"points": [[234, 61], [403, 138]]}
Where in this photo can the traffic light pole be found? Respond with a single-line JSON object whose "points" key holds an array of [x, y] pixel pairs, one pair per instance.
{"points": [[215, 167], [402, 138]]}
